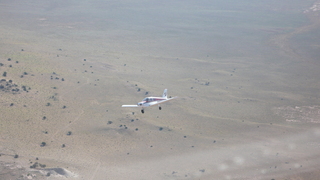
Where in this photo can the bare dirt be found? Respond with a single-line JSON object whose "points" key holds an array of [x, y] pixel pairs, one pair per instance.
{"points": [[248, 108]]}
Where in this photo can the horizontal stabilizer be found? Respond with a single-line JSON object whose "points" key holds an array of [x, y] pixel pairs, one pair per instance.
{"points": [[129, 106]]}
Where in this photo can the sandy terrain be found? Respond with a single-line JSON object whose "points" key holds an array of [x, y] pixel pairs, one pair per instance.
{"points": [[248, 105]]}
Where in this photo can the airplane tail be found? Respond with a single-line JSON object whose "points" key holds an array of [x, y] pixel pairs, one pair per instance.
{"points": [[164, 95]]}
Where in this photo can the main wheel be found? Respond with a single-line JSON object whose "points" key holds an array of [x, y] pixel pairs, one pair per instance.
{"points": [[159, 107], [142, 111]]}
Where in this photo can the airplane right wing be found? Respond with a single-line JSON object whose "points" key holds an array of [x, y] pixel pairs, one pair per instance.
{"points": [[129, 106]]}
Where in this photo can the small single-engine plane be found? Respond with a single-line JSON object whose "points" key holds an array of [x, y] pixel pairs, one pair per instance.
{"points": [[151, 101]]}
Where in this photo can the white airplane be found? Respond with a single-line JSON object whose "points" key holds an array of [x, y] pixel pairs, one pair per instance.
{"points": [[151, 101]]}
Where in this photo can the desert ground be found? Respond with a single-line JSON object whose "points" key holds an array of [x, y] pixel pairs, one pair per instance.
{"points": [[246, 75]]}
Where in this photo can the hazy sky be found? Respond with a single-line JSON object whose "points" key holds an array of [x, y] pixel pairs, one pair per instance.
{"points": [[177, 28]]}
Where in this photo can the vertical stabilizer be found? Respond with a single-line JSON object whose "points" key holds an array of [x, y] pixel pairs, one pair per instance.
{"points": [[164, 95]]}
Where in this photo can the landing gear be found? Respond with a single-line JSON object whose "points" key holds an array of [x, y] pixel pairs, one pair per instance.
{"points": [[142, 111], [159, 107]]}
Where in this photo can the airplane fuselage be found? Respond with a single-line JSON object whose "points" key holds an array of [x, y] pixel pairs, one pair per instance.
{"points": [[151, 101]]}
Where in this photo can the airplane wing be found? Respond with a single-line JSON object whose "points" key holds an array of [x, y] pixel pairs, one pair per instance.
{"points": [[129, 106], [162, 101]]}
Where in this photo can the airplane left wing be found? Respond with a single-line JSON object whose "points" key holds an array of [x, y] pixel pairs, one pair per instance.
{"points": [[161, 101], [129, 106]]}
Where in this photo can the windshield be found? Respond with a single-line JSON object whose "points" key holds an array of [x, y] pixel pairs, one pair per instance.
{"points": [[146, 99]]}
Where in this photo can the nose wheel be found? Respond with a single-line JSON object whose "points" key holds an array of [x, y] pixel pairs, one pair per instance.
{"points": [[159, 107], [142, 111]]}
